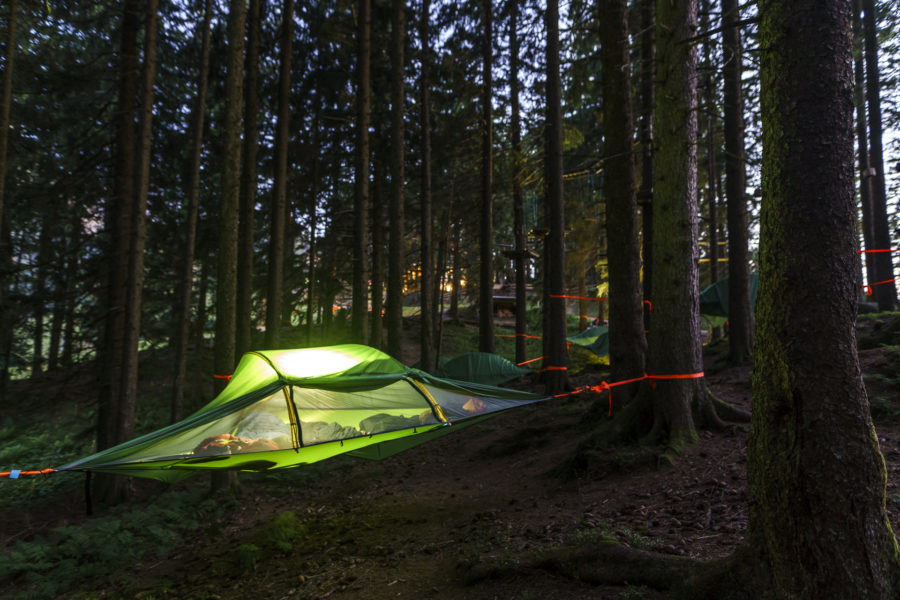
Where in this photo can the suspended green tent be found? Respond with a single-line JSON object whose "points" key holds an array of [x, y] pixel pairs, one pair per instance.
{"points": [[481, 367], [285, 408], [595, 339], [714, 300]]}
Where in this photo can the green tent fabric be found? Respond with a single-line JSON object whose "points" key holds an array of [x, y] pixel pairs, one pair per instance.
{"points": [[595, 339], [285, 408], [714, 299], [480, 367]]}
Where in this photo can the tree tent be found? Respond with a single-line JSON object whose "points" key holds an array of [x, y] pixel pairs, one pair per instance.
{"points": [[481, 367], [595, 339], [714, 300], [286, 408]]}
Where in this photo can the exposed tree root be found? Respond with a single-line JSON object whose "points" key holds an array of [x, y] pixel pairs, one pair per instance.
{"points": [[607, 561]]}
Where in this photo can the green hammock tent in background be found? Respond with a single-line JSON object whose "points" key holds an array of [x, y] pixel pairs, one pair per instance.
{"points": [[714, 301], [480, 367], [595, 339], [286, 408]]}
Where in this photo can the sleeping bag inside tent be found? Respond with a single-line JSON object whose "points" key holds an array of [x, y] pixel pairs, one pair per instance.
{"points": [[285, 408]]}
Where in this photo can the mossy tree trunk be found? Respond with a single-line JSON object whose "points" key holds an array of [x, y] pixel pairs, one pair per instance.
{"points": [[627, 344], [816, 476], [675, 348]]}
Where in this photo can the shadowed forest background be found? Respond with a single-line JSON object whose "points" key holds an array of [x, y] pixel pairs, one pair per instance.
{"points": [[184, 182]]}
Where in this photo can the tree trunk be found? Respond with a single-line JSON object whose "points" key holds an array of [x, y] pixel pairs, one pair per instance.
{"points": [[39, 295], [190, 225], [275, 276], [135, 282], [627, 344], [426, 283], [675, 348], [884, 287], [6, 101], [312, 288], [118, 225], [712, 168], [645, 135], [376, 334], [816, 477], [740, 315], [555, 377], [518, 199], [360, 306], [396, 245], [247, 202], [862, 140], [486, 225], [226, 272]]}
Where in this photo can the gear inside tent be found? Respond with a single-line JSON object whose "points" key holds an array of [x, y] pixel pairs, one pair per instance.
{"points": [[286, 408]]}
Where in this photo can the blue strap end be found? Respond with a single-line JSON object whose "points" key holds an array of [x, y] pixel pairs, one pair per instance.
{"points": [[14, 474]]}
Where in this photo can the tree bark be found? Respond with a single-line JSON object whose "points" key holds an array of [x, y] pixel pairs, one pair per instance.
{"points": [[627, 344], [6, 102], [675, 319], [740, 315], [360, 306], [275, 276], [555, 377], [226, 271], [645, 136], [518, 199], [376, 335], [426, 283], [486, 222], [816, 478], [190, 225], [312, 288], [135, 281], [118, 225], [396, 244], [884, 288]]}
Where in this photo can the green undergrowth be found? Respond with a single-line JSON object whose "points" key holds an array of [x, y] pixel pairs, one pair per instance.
{"points": [[55, 562]]}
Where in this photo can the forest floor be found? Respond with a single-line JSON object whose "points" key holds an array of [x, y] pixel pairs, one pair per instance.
{"points": [[501, 493]]}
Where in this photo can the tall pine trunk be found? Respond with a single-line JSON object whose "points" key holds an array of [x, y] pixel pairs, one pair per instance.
{"points": [[396, 243], [486, 224], [740, 316], [226, 271], [645, 136], [521, 251], [278, 224], [6, 100], [627, 344], [361, 208], [426, 282], [883, 287], [555, 376], [247, 202], [816, 477], [862, 141], [183, 325]]}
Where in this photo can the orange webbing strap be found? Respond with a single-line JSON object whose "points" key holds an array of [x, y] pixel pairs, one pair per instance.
{"points": [[607, 387], [530, 361], [524, 335], [872, 251], [225, 377], [15, 474], [868, 288]]}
